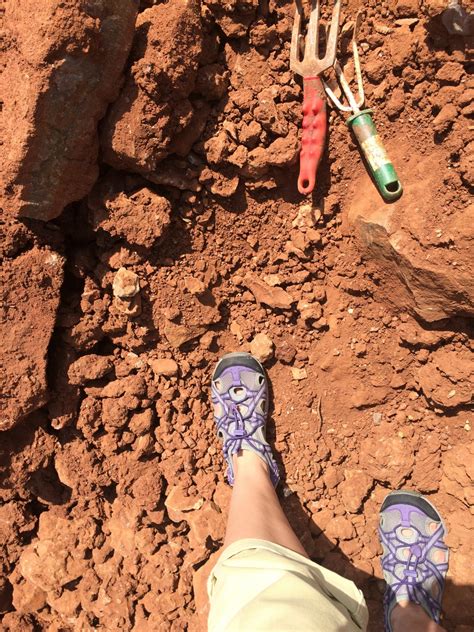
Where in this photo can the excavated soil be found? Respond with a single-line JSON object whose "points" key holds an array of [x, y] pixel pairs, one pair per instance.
{"points": [[194, 242]]}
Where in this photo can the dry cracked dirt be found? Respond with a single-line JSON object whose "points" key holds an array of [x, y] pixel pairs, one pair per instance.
{"points": [[150, 223]]}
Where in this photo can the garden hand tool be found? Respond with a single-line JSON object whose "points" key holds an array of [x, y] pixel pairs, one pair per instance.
{"points": [[310, 66], [379, 166]]}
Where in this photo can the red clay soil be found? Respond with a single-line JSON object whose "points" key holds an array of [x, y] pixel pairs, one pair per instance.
{"points": [[194, 242]]}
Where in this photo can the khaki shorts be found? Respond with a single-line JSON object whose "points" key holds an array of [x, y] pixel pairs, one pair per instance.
{"points": [[260, 586]]}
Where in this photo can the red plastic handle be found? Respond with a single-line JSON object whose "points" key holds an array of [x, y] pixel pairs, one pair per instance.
{"points": [[314, 132]]}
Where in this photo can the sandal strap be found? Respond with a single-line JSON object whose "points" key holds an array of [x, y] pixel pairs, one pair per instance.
{"points": [[242, 431], [417, 578]]}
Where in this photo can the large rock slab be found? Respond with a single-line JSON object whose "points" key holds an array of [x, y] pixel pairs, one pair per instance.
{"points": [[61, 67], [30, 288], [153, 110], [420, 252]]}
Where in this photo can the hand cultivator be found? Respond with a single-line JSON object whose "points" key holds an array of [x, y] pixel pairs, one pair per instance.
{"points": [[371, 145], [310, 66]]}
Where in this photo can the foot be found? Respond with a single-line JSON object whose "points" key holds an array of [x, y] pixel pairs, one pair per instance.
{"points": [[240, 399], [415, 557], [407, 616]]}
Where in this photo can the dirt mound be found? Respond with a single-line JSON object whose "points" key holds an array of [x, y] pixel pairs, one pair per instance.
{"points": [[195, 242], [60, 69]]}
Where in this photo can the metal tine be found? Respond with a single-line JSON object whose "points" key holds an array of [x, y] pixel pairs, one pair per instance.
{"points": [[354, 104], [295, 61], [311, 62], [312, 37], [358, 71], [331, 46]]}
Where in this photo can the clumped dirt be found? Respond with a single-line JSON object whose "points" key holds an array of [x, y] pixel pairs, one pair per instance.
{"points": [[194, 242]]}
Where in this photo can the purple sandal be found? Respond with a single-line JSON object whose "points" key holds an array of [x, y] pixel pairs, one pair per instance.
{"points": [[240, 399], [415, 557]]}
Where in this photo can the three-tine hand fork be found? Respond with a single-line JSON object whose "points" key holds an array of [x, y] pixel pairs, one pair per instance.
{"points": [[363, 127], [310, 66]]}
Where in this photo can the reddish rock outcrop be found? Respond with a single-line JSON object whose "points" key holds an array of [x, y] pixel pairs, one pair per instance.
{"points": [[29, 298], [62, 64], [423, 256], [153, 108]]}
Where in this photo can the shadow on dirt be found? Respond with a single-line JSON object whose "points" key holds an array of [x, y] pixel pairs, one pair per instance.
{"points": [[457, 600]]}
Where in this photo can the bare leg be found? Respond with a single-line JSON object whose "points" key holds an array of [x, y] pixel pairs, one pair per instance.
{"points": [[255, 511], [408, 616]]}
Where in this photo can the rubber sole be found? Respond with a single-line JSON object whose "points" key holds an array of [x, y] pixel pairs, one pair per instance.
{"points": [[415, 499], [237, 358]]}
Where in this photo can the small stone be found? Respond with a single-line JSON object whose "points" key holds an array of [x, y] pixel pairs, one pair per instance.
{"points": [[445, 118], [171, 313], [285, 352], [365, 398], [309, 311], [321, 518], [445, 368], [129, 307], [143, 446], [332, 476], [126, 284], [272, 279], [299, 241], [207, 340], [27, 597], [319, 294], [206, 521], [354, 489], [236, 329], [339, 528], [262, 347], [467, 426], [275, 297], [407, 21], [164, 366], [397, 381], [406, 8], [450, 72], [377, 418], [140, 423], [389, 458], [178, 335], [89, 367], [298, 374], [314, 236], [194, 286], [252, 241], [178, 504], [307, 216]]}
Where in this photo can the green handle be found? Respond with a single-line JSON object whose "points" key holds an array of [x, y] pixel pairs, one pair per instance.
{"points": [[378, 162]]}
